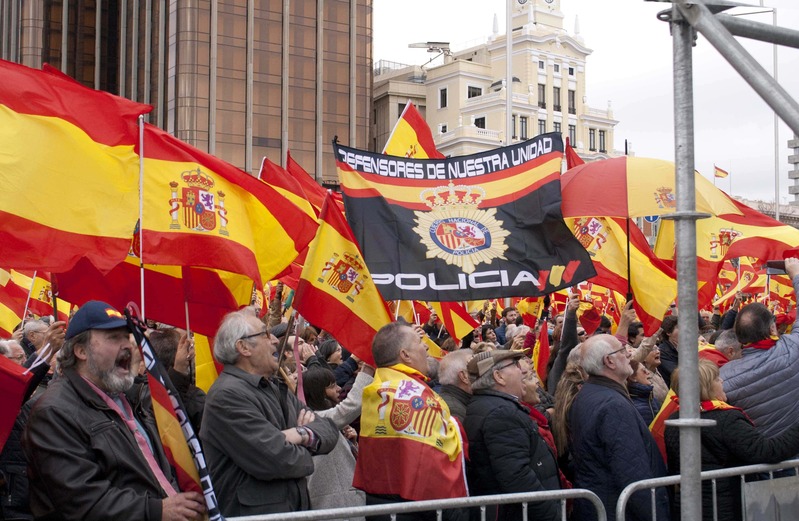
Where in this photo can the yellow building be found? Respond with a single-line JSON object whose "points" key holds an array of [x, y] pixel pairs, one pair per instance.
{"points": [[464, 99]]}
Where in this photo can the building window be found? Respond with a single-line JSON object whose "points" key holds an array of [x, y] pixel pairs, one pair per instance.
{"points": [[513, 127], [542, 95], [400, 108], [573, 135], [572, 101], [592, 139], [556, 99], [480, 122], [556, 126], [571, 71], [557, 69], [442, 98], [473, 92], [523, 127], [541, 65], [442, 128], [602, 147], [542, 126]]}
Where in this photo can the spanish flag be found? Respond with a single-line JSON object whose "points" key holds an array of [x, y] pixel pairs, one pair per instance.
{"points": [[719, 172], [169, 291], [201, 211], [336, 291], [653, 283], [412, 137], [39, 289], [540, 354], [457, 321], [278, 178], [12, 305], [68, 171]]}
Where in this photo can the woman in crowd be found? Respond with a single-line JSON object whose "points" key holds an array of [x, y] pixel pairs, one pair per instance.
{"points": [[330, 485], [733, 441], [669, 342], [639, 385], [648, 354], [568, 386], [488, 334]]}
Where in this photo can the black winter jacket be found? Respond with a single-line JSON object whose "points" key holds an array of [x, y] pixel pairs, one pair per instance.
{"points": [[507, 455], [732, 442], [644, 402], [668, 360], [84, 462]]}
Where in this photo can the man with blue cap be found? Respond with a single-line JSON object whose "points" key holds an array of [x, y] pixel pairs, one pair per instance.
{"points": [[92, 455]]}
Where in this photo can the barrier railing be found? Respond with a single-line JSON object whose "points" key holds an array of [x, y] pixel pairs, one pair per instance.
{"points": [[438, 505], [708, 475]]}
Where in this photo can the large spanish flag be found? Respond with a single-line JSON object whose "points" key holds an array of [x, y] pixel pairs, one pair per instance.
{"points": [[39, 289], [68, 171], [652, 282], [336, 291], [411, 136], [202, 211]]}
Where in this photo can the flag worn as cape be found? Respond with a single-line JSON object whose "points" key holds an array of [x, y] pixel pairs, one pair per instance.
{"points": [[68, 169], [336, 291], [481, 226], [406, 421], [411, 136]]}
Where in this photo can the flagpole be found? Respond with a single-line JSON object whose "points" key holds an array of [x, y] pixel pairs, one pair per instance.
{"points": [[28, 300], [141, 214]]}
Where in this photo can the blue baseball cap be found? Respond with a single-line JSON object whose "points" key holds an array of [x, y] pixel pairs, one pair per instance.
{"points": [[95, 315]]}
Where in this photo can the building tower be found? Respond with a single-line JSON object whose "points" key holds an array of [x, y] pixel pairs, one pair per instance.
{"points": [[463, 99]]}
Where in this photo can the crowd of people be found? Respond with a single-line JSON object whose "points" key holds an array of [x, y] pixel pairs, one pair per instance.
{"points": [[294, 422]]}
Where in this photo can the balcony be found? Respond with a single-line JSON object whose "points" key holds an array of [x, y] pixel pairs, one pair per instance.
{"points": [[556, 108], [542, 104], [572, 110]]}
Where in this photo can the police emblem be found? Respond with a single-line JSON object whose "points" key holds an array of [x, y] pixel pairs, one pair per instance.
{"points": [[200, 204], [456, 230], [345, 274]]}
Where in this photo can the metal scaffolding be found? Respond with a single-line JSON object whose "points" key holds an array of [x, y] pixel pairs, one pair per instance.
{"points": [[686, 18]]}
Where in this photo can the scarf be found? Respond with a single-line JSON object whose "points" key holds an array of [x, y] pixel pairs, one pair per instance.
{"points": [[766, 343]]}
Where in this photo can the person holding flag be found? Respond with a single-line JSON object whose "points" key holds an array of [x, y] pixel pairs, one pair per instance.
{"points": [[92, 455]]}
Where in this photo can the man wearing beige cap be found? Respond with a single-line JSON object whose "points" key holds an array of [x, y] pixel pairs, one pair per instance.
{"points": [[506, 453]]}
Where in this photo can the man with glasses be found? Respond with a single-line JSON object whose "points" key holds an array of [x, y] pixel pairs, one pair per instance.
{"points": [[33, 336], [258, 438], [506, 451], [610, 442]]}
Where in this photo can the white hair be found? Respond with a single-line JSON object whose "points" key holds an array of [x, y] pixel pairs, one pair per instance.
{"points": [[595, 349], [452, 364], [234, 326]]}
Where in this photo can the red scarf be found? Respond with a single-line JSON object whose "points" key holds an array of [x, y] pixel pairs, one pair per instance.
{"points": [[718, 405], [766, 343]]}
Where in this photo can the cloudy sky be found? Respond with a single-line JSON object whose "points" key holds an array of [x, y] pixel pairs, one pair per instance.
{"points": [[631, 67]]}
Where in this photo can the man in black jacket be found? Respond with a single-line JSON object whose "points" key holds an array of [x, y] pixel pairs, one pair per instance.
{"points": [[93, 455], [506, 453]]}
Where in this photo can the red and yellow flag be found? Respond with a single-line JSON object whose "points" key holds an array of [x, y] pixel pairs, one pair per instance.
{"points": [[653, 283], [412, 137], [540, 353], [12, 304], [201, 211], [68, 170], [336, 291], [456, 319], [719, 172], [278, 178], [40, 290]]}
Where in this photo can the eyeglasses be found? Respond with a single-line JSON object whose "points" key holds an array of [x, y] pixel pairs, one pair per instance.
{"points": [[515, 362], [623, 348], [254, 335], [581, 333]]}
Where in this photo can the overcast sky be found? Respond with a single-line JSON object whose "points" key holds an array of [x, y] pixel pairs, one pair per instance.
{"points": [[631, 66]]}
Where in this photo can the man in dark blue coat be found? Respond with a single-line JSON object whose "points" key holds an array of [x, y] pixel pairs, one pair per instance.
{"points": [[611, 444]]}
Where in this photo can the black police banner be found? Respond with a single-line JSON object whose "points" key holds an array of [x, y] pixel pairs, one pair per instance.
{"points": [[481, 226]]}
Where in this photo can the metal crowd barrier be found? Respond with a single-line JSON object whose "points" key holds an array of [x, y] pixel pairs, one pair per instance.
{"points": [[438, 505], [708, 475]]}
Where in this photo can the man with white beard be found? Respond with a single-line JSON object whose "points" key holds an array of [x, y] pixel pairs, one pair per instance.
{"points": [[92, 455]]}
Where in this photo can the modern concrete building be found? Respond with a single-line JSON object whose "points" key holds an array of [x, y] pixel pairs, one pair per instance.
{"points": [[464, 99], [242, 79]]}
